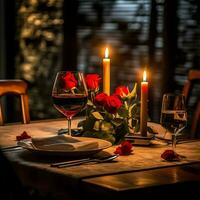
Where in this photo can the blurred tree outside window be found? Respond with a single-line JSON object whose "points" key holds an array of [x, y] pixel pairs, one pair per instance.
{"points": [[40, 35]]}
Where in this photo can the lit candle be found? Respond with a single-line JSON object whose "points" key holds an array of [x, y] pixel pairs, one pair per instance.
{"points": [[143, 107], [106, 73]]}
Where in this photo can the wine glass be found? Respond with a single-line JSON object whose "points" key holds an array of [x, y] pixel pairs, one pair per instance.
{"points": [[69, 94], [173, 115]]}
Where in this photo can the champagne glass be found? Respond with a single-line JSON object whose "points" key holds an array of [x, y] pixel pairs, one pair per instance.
{"points": [[69, 94], [173, 115]]}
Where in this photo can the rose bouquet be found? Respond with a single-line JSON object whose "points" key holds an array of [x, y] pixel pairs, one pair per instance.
{"points": [[110, 117]]}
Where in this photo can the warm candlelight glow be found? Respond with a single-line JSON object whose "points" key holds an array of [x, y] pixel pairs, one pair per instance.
{"points": [[144, 106], [106, 73], [106, 53], [144, 76]]}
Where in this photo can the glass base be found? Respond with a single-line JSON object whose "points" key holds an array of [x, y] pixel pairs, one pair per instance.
{"points": [[75, 132]]}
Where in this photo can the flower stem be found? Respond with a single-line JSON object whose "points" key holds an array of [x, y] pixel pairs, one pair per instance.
{"points": [[126, 104], [100, 125], [92, 95]]}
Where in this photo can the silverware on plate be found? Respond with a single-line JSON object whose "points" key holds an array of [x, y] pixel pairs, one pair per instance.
{"points": [[84, 160], [10, 148]]}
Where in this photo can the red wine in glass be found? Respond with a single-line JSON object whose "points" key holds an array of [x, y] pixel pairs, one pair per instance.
{"points": [[69, 105], [69, 94]]}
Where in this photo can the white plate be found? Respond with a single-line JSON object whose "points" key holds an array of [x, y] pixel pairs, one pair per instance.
{"points": [[102, 144]]}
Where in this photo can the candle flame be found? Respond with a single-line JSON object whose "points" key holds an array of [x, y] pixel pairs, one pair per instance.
{"points": [[106, 53], [144, 76]]}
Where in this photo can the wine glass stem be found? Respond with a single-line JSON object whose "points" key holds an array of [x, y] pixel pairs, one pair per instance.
{"points": [[69, 126], [174, 142]]}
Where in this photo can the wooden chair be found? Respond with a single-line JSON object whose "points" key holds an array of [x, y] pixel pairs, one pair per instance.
{"points": [[193, 77], [196, 122], [17, 87]]}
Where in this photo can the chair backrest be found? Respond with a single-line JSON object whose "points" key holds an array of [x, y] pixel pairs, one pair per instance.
{"points": [[17, 87], [196, 122], [193, 77]]}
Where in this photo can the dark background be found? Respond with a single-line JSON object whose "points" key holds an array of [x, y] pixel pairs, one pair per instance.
{"points": [[39, 38]]}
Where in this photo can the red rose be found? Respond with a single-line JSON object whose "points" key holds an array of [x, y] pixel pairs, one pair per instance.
{"points": [[100, 99], [92, 81], [70, 80], [170, 155], [122, 91], [113, 103], [125, 148], [23, 136]]}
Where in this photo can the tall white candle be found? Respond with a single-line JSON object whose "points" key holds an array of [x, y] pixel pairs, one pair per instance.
{"points": [[106, 73]]}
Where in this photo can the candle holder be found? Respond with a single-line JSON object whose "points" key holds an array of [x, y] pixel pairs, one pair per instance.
{"points": [[142, 137], [138, 139]]}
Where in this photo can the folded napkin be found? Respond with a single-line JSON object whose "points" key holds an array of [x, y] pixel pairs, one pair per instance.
{"points": [[162, 132], [63, 143]]}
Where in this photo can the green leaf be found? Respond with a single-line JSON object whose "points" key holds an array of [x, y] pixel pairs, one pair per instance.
{"points": [[123, 112], [108, 117], [137, 128], [133, 93], [117, 121], [97, 125], [88, 124], [120, 132], [135, 111], [97, 115], [107, 127], [90, 103]]}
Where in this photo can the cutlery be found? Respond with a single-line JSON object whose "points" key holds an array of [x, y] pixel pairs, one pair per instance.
{"points": [[11, 148], [69, 162], [82, 161]]}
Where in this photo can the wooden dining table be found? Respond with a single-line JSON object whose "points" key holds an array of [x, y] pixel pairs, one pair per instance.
{"points": [[143, 174]]}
